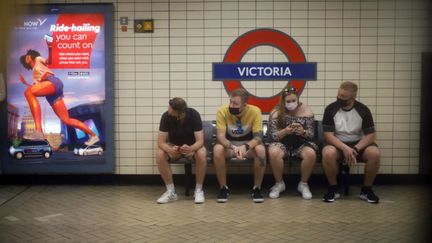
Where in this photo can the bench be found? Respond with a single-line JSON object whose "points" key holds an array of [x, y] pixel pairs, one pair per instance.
{"points": [[209, 128]]}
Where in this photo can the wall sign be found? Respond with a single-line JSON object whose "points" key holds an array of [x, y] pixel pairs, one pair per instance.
{"points": [[232, 71], [144, 26]]}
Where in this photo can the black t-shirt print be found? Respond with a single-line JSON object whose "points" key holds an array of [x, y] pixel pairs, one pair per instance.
{"points": [[181, 132]]}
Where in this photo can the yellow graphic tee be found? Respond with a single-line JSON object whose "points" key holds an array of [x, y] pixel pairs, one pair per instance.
{"points": [[239, 129]]}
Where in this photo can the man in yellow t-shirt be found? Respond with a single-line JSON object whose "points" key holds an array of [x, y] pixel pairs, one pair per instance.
{"points": [[239, 135]]}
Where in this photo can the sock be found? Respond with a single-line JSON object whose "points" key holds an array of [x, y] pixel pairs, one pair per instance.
{"points": [[303, 183], [170, 187], [280, 183], [365, 188], [256, 187], [333, 188], [198, 187]]}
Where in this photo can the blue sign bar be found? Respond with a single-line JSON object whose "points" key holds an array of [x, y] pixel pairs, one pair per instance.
{"points": [[264, 71]]}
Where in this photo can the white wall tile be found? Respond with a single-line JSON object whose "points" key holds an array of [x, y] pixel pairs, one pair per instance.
{"points": [[370, 42]]}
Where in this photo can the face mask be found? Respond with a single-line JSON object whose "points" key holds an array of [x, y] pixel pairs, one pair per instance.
{"points": [[341, 102], [291, 106], [234, 111]]}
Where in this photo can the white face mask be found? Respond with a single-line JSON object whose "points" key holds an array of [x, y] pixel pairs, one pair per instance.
{"points": [[291, 106]]}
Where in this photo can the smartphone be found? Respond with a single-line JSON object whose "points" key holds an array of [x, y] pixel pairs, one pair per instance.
{"points": [[295, 124], [48, 38]]}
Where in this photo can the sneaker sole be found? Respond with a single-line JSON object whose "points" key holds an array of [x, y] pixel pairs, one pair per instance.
{"points": [[258, 200], [363, 197], [171, 200], [221, 200], [305, 198], [328, 200], [278, 196], [199, 202], [337, 195]]}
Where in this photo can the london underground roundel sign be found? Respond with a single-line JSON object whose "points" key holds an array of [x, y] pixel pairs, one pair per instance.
{"points": [[296, 71]]}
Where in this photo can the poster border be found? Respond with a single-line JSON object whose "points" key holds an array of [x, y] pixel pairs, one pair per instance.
{"points": [[7, 164]]}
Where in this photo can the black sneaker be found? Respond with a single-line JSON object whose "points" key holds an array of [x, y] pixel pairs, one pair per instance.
{"points": [[256, 195], [331, 195], [368, 195], [223, 195]]}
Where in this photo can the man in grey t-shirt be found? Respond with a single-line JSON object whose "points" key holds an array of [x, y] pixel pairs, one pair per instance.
{"points": [[349, 134]]}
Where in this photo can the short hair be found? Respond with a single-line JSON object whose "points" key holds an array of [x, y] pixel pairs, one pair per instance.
{"points": [[242, 93], [349, 86], [178, 104], [33, 54]]}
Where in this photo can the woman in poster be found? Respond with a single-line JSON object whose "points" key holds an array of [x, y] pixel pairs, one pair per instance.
{"points": [[46, 84]]}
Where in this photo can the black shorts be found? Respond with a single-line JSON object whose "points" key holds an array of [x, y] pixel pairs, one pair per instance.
{"points": [[359, 157]]}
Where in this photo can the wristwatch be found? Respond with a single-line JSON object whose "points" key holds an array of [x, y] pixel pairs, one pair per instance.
{"points": [[356, 149]]}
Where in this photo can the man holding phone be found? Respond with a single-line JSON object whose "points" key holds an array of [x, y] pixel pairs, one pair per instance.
{"points": [[181, 135], [349, 133], [239, 135]]}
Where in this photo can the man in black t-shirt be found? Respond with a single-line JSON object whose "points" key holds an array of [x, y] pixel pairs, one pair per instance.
{"points": [[181, 135], [349, 133]]}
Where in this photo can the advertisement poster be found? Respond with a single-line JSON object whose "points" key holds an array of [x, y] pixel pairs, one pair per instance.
{"points": [[59, 90]]}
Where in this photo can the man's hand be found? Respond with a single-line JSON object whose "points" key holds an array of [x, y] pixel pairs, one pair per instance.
{"points": [[350, 155], [173, 151], [185, 149], [239, 151]]}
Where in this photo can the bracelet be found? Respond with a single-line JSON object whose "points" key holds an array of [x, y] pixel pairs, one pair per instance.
{"points": [[247, 146]]}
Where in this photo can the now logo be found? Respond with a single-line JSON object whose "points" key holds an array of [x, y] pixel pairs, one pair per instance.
{"points": [[33, 23]]}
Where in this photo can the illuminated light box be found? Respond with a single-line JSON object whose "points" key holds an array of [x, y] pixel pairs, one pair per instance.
{"points": [[59, 90]]}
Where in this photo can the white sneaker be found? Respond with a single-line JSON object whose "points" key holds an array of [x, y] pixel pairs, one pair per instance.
{"points": [[168, 196], [276, 190], [92, 140], [303, 188], [199, 196]]}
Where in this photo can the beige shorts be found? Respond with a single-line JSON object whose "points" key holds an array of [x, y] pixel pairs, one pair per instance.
{"points": [[189, 156]]}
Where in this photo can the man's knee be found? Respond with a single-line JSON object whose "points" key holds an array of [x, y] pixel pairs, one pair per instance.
{"points": [[260, 154], [218, 152], [201, 156], [260, 150], [161, 156], [372, 155], [329, 154]]}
